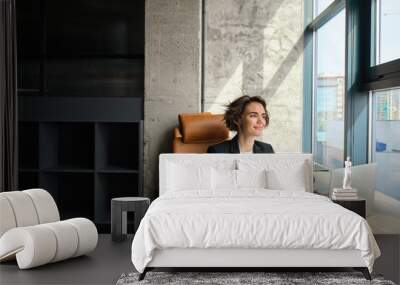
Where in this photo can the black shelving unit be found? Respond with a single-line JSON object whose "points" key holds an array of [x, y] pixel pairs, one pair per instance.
{"points": [[72, 191], [81, 88], [111, 185], [66, 146], [28, 145], [82, 163]]}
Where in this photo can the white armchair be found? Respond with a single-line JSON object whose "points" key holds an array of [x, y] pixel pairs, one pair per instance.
{"points": [[31, 230]]}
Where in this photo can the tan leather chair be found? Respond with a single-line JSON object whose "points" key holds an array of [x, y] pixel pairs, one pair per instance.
{"points": [[197, 131]]}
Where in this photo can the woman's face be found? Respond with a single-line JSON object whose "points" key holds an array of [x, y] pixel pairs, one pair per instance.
{"points": [[253, 120]]}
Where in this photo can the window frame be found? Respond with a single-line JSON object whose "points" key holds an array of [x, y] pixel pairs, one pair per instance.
{"points": [[361, 75], [357, 58], [378, 76], [311, 26]]}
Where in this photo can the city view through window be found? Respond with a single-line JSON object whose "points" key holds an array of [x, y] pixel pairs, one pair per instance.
{"points": [[329, 93], [386, 140], [385, 144], [378, 182]]}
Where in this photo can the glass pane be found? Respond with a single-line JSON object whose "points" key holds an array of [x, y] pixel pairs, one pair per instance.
{"points": [[386, 154], [388, 39], [329, 93], [321, 5]]}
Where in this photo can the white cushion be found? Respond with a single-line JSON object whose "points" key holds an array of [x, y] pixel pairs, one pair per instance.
{"points": [[7, 218], [168, 176], [228, 179], [45, 205], [67, 240], [224, 179], [40, 244], [188, 177], [87, 233], [23, 208], [33, 246], [252, 178], [293, 180], [282, 174]]}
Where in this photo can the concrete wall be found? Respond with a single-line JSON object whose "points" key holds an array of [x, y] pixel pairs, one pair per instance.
{"points": [[172, 76], [252, 47], [256, 48]]}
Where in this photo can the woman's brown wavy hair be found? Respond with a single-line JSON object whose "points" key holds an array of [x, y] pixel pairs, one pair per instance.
{"points": [[235, 110]]}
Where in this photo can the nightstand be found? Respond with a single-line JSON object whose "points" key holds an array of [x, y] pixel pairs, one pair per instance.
{"points": [[357, 206], [119, 209]]}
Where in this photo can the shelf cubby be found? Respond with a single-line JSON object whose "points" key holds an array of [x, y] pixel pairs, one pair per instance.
{"points": [[28, 144], [117, 147], [28, 73], [112, 185], [67, 147], [73, 193]]}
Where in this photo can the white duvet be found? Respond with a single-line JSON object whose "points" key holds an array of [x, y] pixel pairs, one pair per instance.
{"points": [[252, 218]]}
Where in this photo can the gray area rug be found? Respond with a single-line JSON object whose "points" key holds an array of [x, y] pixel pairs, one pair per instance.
{"points": [[228, 278]]}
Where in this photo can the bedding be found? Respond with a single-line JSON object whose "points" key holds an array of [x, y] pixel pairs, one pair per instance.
{"points": [[250, 218], [282, 174], [187, 177], [223, 179], [251, 178]]}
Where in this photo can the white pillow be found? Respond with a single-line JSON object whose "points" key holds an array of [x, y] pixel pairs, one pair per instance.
{"points": [[188, 177], [282, 174], [293, 179], [224, 179], [252, 178]]}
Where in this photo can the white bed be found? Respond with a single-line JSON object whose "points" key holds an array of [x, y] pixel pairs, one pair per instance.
{"points": [[214, 211]]}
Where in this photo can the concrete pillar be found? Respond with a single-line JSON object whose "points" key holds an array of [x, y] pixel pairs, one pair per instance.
{"points": [[172, 76]]}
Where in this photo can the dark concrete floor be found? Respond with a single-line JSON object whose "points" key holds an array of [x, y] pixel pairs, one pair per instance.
{"points": [[103, 266], [111, 259], [388, 264]]}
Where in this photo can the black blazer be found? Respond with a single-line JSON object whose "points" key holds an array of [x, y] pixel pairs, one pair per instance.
{"points": [[232, 146]]}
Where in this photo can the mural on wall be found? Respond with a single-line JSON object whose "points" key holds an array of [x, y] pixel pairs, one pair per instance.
{"points": [[256, 48]]}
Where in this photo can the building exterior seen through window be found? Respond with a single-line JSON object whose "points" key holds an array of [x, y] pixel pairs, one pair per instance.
{"points": [[388, 21], [386, 140], [329, 103], [385, 125]]}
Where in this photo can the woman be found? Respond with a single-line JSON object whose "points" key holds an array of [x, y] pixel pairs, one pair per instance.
{"points": [[247, 116]]}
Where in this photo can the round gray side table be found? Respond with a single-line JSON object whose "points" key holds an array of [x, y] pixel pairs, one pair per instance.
{"points": [[119, 209]]}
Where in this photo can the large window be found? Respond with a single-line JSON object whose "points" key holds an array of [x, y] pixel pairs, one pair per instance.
{"points": [[321, 5], [385, 121], [386, 140], [387, 23], [356, 100], [329, 101]]}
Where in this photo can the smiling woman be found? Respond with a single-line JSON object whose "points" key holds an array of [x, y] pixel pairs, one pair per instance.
{"points": [[248, 116]]}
